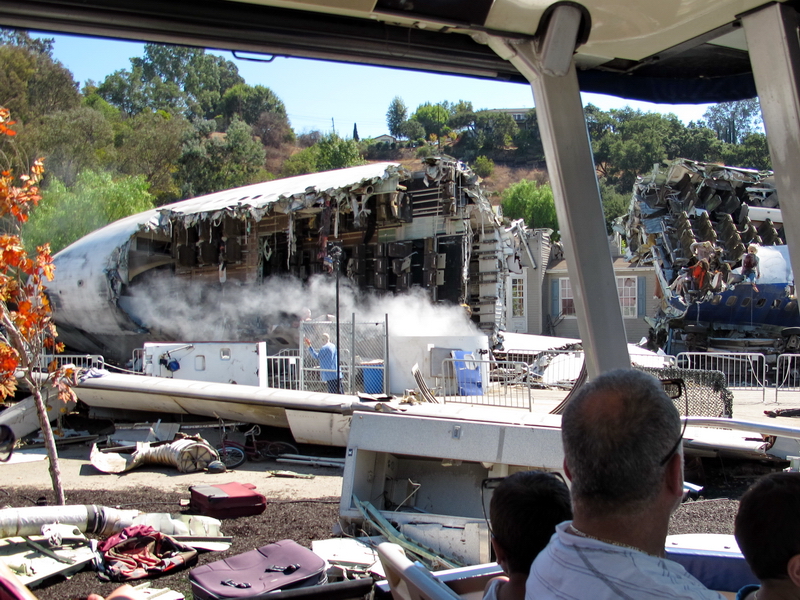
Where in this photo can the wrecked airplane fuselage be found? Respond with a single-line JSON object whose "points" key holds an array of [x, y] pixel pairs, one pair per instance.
{"points": [[695, 223], [221, 266]]}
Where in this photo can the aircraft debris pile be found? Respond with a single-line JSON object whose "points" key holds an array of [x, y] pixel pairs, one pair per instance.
{"points": [[694, 222]]}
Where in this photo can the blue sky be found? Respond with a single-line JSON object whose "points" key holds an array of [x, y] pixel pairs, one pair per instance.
{"points": [[321, 95]]}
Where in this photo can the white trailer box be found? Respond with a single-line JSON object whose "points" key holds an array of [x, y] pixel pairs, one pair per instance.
{"points": [[243, 363]]}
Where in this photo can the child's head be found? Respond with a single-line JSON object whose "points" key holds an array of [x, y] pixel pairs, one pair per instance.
{"points": [[524, 511], [767, 526]]}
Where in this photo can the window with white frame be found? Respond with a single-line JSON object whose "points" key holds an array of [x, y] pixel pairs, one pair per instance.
{"points": [[517, 297], [626, 291], [565, 297]]}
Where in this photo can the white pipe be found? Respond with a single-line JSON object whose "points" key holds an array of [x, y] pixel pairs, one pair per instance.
{"points": [[88, 518]]}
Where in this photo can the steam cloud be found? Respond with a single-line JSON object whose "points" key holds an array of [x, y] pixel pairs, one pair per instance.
{"points": [[176, 310]]}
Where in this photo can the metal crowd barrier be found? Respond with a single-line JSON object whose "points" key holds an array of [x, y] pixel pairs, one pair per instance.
{"points": [[486, 382], [742, 370], [787, 374], [83, 361], [283, 370]]}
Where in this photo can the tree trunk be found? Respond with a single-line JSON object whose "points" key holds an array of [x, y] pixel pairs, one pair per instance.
{"points": [[50, 444]]}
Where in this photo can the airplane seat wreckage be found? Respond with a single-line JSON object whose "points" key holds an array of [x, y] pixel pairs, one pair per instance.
{"points": [[432, 230]]}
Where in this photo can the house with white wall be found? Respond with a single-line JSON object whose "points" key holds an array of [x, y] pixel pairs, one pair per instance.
{"points": [[540, 300]]}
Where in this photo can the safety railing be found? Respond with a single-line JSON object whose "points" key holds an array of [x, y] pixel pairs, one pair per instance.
{"points": [[283, 370], [787, 375], [83, 361], [742, 370], [486, 382]]}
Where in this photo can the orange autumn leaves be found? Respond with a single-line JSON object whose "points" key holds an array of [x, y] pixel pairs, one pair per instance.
{"points": [[27, 326]]}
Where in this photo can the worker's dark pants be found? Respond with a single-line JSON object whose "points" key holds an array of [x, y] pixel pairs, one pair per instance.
{"points": [[334, 386]]}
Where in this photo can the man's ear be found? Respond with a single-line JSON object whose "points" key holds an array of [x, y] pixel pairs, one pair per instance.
{"points": [[499, 554], [674, 474], [793, 568], [566, 470]]}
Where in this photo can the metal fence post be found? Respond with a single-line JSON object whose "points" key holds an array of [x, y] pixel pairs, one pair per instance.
{"points": [[352, 378], [386, 353]]}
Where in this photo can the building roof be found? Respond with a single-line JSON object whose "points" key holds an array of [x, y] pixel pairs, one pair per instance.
{"points": [[620, 264]]}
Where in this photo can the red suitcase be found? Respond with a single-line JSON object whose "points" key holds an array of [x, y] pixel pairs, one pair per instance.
{"points": [[227, 500], [259, 574]]}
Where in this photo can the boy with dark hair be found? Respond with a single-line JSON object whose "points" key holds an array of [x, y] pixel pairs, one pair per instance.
{"points": [[524, 512], [767, 528]]}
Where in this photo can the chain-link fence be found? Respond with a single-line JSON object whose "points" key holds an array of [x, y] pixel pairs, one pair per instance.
{"points": [[705, 393], [362, 352]]}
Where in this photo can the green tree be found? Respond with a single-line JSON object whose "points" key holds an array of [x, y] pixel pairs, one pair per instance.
{"points": [[249, 102], [496, 129], [301, 162], [21, 38], [433, 117], [411, 130], [483, 167], [337, 153], [396, 115], [614, 204], [751, 153], [150, 144], [733, 121], [127, 91], [699, 143], [528, 139], [73, 141], [32, 82], [532, 202], [628, 142], [66, 214], [176, 79], [211, 161], [330, 152], [462, 116], [273, 129]]}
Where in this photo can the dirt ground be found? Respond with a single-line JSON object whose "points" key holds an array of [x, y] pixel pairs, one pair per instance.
{"points": [[300, 509]]}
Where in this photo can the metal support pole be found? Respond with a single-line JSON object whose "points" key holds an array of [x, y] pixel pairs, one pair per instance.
{"points": [[772, 41], [548, 65], [338, 340], [386, 353], [352, 378]]}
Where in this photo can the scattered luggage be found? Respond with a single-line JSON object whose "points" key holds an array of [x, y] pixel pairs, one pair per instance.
{"points": [[140, 551], [256, 574], [227, 500]]}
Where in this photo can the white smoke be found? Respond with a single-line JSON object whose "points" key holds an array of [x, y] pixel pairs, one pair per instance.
{"points": [[176, 310]]}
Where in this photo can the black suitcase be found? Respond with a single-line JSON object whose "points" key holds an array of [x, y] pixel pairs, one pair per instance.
{"points": [[256, 574], [227, 500]]}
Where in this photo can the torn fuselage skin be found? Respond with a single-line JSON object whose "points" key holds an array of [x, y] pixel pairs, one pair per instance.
{"points": [[431, 230]]}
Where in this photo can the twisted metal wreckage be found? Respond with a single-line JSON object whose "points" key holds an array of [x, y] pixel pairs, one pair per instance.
{"points": [[694, 222], [433, 230]]}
